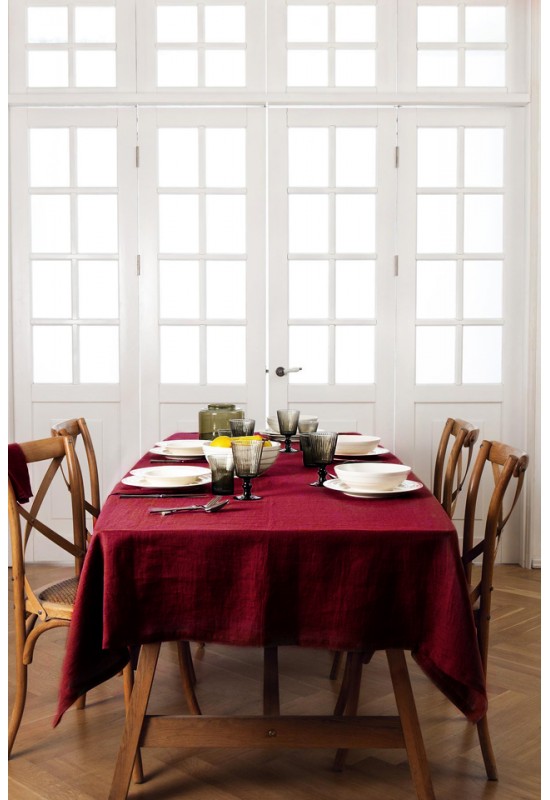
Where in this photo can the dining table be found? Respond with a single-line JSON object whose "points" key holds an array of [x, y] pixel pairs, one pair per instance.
{"points": [[304, 566]]}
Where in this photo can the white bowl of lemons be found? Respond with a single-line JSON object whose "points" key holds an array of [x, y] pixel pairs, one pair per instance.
{"points": [[270, 450]]}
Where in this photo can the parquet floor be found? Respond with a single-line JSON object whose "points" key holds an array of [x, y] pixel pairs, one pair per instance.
{"points": [[75, 761]]}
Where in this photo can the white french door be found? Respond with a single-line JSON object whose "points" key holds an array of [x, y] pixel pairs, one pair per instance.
{"points": [[74, 284], [202, 264], [461, 297], [332, 204]]}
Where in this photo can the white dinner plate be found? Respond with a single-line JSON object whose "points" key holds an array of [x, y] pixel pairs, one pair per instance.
{"points": [[378, 451], [138, 478], [162, 451], [278, 437], [180, 447], [339, 486]]}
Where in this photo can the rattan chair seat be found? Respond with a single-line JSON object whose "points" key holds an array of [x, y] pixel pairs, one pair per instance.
{"points": [[56, 596]]}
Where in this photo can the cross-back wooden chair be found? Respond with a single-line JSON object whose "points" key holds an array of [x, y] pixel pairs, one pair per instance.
{"points": [[78, 427], [449, 478], [449, 475], [38, 610], [508, 467], [75, 428]]}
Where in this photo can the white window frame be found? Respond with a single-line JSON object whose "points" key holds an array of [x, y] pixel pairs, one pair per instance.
{"points": [[124, 48]]}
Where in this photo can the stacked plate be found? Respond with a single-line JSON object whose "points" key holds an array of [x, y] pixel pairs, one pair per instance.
{"points": [[180, 448], [364, 479], [357, 445], [169, 477]]}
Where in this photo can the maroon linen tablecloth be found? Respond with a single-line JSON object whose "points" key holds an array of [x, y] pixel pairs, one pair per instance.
{"points": [[303, 566]]}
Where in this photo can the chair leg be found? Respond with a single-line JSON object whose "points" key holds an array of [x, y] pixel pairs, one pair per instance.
{"points": [[128, 683], [18, 705], [348, 699], [188, 677], [487, 749]]}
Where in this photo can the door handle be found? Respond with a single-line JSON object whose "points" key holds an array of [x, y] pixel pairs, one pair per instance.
{"points": [[282, 371]]}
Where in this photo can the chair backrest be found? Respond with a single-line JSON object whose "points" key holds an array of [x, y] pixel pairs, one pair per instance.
{"points": [[56, 451], [449, 474], [508, 468], [76, 428]]}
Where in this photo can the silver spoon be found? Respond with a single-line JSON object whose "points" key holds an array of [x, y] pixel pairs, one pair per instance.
{"points": [[213, 505]]}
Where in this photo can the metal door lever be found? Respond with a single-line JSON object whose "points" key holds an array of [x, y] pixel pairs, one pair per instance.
{"points": [[281, 371]]}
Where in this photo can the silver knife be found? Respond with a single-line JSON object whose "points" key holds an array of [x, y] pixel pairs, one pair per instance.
{"points": [[128, 494]]}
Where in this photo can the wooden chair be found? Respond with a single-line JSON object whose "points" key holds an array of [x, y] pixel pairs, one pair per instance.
{"points": [[449, 477], [508, 468], [38, 610], [76, 428]]}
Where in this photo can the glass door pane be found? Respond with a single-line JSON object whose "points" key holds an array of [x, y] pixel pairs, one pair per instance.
{"points": [[331, 271], [202, 233]]}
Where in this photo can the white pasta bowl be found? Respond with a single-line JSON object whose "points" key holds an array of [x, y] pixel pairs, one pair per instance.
{"points": [[372, 476], [269, 456], [176, 476], [355, 444]]}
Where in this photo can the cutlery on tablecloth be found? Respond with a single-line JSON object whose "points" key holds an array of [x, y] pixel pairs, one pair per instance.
{"points": [[176, 459], [189, 495], [213, 505]]}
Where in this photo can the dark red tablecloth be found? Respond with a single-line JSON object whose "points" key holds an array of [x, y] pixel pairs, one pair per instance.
{"points": [[303, 566]]}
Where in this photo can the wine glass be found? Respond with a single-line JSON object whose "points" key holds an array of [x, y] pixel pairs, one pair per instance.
{"points": [[288, 424], [323, 446], [246, 458]]}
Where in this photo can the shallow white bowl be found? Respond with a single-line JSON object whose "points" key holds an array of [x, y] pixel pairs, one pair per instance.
{"points": [[373, 476], [273, 422], [269, 454], [351, 444], [182, 447], [178, 476]]}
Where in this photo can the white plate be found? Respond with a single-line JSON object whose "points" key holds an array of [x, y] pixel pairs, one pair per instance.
{"points": [[161, 451], [180, 447], [339, 486], [278, 437], [378, 451], [136, 480]]}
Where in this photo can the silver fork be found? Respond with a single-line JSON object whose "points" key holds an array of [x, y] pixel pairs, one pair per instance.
{"points": [[214, 504]]}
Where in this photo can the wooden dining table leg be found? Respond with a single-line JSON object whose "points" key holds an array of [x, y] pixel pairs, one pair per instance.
{"points": [[410, 725], [348, 699], [128, 683], [271, 682], [134, 721], [188, 677]]}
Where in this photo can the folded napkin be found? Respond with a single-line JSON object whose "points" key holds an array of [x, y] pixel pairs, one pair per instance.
{"points": [[18, 473]]}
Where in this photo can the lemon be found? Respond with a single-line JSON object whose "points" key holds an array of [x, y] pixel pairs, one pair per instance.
{"points": [[247, 439], [221, 441]]}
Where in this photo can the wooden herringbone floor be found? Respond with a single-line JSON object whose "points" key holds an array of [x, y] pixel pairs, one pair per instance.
{"points": [[75, 761]]}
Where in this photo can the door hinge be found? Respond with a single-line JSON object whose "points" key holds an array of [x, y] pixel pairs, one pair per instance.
{"points": [[137, 155], [138, 265], [397, 156], [396, 266]]}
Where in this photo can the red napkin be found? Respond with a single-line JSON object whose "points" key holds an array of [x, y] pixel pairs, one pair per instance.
{"points": [[18, 473]]}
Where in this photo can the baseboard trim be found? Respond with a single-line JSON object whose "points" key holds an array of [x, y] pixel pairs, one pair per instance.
{"points": [[535, 563]]}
